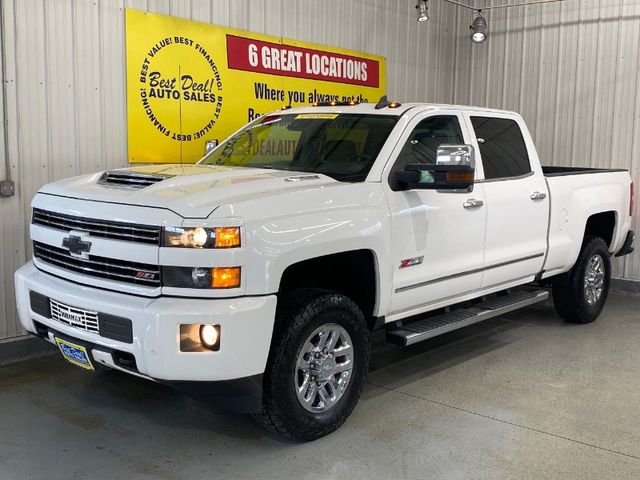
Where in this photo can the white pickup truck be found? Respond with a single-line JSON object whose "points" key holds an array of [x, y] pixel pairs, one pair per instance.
{"points": [[255, 277]]}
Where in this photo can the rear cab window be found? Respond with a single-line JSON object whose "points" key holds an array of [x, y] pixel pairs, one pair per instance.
{"points": [[502, 148]]}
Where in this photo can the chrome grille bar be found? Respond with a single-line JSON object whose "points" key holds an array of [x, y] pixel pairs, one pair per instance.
{"points": [[74, 317], [109, 268], [100, 228]]}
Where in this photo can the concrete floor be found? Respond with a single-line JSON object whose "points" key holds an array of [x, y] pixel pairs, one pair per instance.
{"points": [[522, 396]]}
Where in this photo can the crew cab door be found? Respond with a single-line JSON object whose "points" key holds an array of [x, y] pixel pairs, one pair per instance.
{"points": [[516, 196], [437, 241]]}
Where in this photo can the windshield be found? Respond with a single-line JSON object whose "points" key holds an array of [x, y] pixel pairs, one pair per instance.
{"points": [[342, 146]]}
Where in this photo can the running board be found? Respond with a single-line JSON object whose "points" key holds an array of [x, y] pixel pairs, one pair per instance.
{"points": [[430, 327]]}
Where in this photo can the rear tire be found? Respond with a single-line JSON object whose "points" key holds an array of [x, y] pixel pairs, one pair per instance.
{"points": [[301, 351], [580, 294]]}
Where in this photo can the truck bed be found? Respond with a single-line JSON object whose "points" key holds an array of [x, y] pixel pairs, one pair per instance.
{"points": [[576, 196], [551, 171]]}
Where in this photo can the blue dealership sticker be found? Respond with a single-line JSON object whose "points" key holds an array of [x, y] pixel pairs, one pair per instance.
{"points": [[76, 354]]}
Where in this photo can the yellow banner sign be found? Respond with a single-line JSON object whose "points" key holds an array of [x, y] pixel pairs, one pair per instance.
{"points": [[190, 82]]}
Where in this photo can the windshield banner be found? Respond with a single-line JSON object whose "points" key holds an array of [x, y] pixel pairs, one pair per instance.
{"points": [[189, 83]]}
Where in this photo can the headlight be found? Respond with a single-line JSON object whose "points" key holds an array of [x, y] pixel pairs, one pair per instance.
{"points": [[201, 277], [201, 237]]}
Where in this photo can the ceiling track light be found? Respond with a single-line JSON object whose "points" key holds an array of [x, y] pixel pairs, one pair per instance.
{"points": [[423, 11], [478, 29], [479, 25]]}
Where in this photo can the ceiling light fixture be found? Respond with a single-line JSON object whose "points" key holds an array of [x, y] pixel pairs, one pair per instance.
{"points": [[423, 11], [478, 29]]}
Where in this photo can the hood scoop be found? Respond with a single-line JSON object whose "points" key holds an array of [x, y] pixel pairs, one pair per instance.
{"points": [[129, 179]]}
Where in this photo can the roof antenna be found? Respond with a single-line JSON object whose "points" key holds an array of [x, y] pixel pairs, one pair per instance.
{"points": [[383, 102]]}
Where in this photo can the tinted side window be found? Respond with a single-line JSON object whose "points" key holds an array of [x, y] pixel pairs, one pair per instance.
{"points": [[504, 153], [429, 134]]}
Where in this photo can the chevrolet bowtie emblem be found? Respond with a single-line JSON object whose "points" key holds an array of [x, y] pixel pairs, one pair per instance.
{"points": [[76, 245]]}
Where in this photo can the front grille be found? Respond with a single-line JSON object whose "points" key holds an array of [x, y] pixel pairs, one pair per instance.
{"points": [[98, 228], [131, 180], [104, 324], [102, 267], [74, 317]]}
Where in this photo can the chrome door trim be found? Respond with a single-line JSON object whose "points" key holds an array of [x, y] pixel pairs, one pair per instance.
{"points": [[504, 179], [468, 272]]}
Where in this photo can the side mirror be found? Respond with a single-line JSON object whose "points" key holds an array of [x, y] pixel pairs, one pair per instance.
{"points": [[454, 171]]}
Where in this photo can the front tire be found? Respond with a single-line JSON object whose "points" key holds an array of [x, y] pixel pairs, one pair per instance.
{"points": [[316, 368], [579, 295]]}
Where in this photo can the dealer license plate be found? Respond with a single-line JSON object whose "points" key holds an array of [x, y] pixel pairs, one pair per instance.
{"points": [[76, 354]]}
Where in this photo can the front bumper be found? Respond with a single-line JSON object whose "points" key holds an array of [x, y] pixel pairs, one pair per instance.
{"points": [[246, 326]]}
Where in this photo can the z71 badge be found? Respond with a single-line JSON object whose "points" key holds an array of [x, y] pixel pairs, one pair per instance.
{"points": [[410, 262]]}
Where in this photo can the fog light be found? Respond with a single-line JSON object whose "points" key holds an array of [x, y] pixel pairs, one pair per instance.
{"points": [[198, 338], [208, 335]]}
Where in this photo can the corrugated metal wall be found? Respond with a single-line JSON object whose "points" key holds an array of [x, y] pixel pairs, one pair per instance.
{"points": [[572, 69], [66, 81]]}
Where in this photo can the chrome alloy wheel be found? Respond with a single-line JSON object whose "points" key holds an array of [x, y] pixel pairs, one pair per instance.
{"points": [[594, 279], [323, 368]]}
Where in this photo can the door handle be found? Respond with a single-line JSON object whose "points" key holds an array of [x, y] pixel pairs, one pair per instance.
{"points": [[473, 203], [538, 196]]}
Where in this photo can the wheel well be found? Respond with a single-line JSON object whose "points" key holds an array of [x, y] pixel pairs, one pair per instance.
{"points": [[351, 273], [601, 225]]}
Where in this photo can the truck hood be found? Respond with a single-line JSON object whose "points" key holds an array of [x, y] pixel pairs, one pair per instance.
{"points": [[192, 191]]}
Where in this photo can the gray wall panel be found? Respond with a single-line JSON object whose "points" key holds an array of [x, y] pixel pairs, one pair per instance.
{"points": [[66, 82], [573, 70]]}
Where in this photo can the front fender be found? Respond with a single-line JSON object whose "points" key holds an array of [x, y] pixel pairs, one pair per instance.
{"points": [[298, 226]]}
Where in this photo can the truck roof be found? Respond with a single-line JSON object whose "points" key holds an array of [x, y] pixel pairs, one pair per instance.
{"points": [[399, 110]]}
